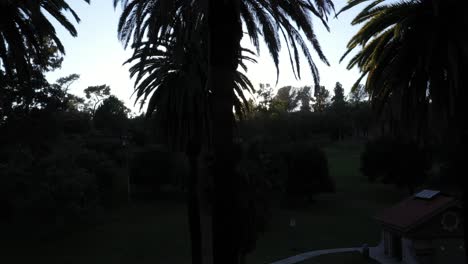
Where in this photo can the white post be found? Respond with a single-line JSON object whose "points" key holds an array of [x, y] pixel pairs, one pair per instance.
{"points": [[292, 227]]}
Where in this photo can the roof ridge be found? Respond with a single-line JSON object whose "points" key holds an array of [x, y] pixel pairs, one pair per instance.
{"points": [[412, 212], [424, 219]]}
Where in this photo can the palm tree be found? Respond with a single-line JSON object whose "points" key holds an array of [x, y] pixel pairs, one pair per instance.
{"points": [[273, 20], [220, 22], [172, 80], [412, 54], [26, 33]]}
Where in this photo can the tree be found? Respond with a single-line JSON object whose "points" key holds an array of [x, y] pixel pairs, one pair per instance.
{"points": [[41, 95], [357, 95], [265, 94], [252, 109], [25, 33], [338, 99], [57, 188], [67, 81], [338, 114], [406, 74], [180, 100], [156, 159], [19, 95], [308, 173], [222, 22], [411, 55], [96, 95], [393, 161], [286, 94], [304, 95], [111, 116], [321, 98], [285, 100], [73, 102], [360, 110], [363, 118]]}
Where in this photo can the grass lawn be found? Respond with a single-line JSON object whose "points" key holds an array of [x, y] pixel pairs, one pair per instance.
{"points": [[142, 233], [158, 232], [341, 258], [342, 219]]}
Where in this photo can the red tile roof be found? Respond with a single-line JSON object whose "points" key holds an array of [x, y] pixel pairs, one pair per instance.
{"points": [[413, 211]]}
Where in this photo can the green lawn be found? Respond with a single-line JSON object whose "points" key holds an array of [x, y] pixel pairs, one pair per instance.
{"points": [[342, 219], [143, 233], [341, 258], [158, 232]]}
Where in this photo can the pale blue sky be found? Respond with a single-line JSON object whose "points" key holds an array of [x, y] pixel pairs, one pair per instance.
{"points": [[97, 55]]}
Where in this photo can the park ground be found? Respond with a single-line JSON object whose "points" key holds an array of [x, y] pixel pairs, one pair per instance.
{"points": [[156, 232]]}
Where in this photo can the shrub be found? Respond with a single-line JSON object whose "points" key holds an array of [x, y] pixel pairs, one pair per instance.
{"points": [[52, 189], [254, 170], [393, 161], [152, 167], [308, 173]]}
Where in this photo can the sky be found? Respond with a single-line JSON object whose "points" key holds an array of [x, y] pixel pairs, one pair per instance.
{"points": [[98, 56]]}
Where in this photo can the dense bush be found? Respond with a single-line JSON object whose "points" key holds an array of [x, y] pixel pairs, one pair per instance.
{"points": [[393, 161], [111, 116], [308, 173], [445, 174], [255, 170], [60, 182], [52, 189], [59, 163], [154, 166]]}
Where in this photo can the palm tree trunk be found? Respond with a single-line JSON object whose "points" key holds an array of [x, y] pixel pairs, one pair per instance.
{"points": [[225, 207], [193, 151], [225, 33], [464, 217], [459, 131], [464, 185]]}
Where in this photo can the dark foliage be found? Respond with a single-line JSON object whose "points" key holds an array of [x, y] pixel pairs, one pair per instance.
{"points": [[308, 173], [152, 167], [393, 161], [57, 186], [255, 170], [56, 168], [26, 35], [111, 116]]}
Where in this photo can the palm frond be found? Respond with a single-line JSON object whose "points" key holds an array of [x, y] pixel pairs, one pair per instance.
{"points": [[410, 58], [25, 28]]}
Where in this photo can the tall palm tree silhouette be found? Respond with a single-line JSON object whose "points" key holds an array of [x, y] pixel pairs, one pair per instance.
{"points": [[220, 30], [172, 79]]}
